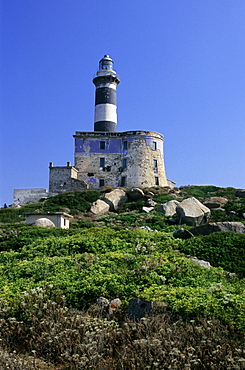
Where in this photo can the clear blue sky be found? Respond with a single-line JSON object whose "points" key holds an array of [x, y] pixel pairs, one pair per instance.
{"points": [[182, 70]]}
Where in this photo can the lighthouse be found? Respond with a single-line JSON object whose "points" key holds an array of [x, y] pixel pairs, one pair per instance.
{"points": [[105, 111], [107, 157]]}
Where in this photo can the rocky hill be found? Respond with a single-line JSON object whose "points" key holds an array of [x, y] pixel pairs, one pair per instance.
{"points": [[144, 278]]}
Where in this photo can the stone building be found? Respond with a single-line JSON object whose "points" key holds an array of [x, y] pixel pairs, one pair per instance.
{"points": [[56, 219], [106, 157]]}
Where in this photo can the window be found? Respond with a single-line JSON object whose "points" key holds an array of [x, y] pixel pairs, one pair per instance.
{"points": [[156, 181], [123, 181], [125, 145], [64, 222], [125, 162], [102, 162], [102, 144], [154, 163], [101, 182], [154, 145]]}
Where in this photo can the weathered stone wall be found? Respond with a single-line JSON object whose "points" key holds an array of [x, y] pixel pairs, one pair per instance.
{"points": [[133, 158], [23, 196], [63, 179]]}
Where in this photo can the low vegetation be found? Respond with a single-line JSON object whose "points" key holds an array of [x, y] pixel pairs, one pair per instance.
{"points": [[51, 278]]}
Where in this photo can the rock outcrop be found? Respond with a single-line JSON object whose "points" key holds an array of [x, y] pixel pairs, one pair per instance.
{"points": [[115, 198], [99, 207], [169, 208], [240, 193], [147, 209], [237, 227], [139, 308], [135, 194], [199, 262], [215, 202], [192, 212], [182, 234]]}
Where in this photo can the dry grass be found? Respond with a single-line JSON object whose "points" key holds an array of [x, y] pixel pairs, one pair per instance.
{"points": [[45, 334]]}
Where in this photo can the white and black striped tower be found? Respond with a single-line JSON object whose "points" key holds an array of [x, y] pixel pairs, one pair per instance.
{"points": [[106, 81]]}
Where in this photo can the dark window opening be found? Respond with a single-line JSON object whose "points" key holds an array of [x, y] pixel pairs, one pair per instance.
{"points": [[101, 182], [125, 145], [154, 145], [125, 162], [154, 163], [123, 181], [102, 162], [102, 144], [156, 181], [90, 174], [64, 183]]}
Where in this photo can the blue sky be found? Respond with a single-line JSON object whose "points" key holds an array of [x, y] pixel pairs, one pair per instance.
{"points": [[182, 70]]}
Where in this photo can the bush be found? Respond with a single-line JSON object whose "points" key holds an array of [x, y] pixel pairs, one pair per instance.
{"points": [[225, 249], [40, 323], [76, 201], [203, 192]]}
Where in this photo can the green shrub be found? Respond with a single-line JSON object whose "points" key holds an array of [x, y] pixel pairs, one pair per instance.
{"points": [[9, 215], [164, 198], [237, 205], [202, 192], [156, 221], [221, 216], [80, 224], [225, 249], [76, 201]]}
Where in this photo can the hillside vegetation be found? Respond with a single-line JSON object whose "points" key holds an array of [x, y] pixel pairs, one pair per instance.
{"points": [[51, 278]]}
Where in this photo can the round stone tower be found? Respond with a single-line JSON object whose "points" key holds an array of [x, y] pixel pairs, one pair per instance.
{"points": [[106, 81]]}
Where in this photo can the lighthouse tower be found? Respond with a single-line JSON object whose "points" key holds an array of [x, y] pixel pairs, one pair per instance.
{"points": [[106, 157], [106, 81]]}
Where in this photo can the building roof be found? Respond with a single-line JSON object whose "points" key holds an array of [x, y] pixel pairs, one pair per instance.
{"points": [[48, 214]]}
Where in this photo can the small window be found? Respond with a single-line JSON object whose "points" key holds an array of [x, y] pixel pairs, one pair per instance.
{"points": [[156, 181], [101, 182], [125, 145], [154, 145], [102, 162], [64, 222], [123, 181], [102, 144], [125, 162], [154, 163]]}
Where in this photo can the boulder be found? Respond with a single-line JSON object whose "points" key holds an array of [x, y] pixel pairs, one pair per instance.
{"points": [[150, 203], [169, 208], [139, 308], [45, 222], [200, 262], [146, 228], [115, 198], [149, 194], [192, 212], [135, 194], [102, 302], [114, 305], [240, 193], [237, 227], [182, 234], [215, 202], [99, 207], [147, 209]]}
